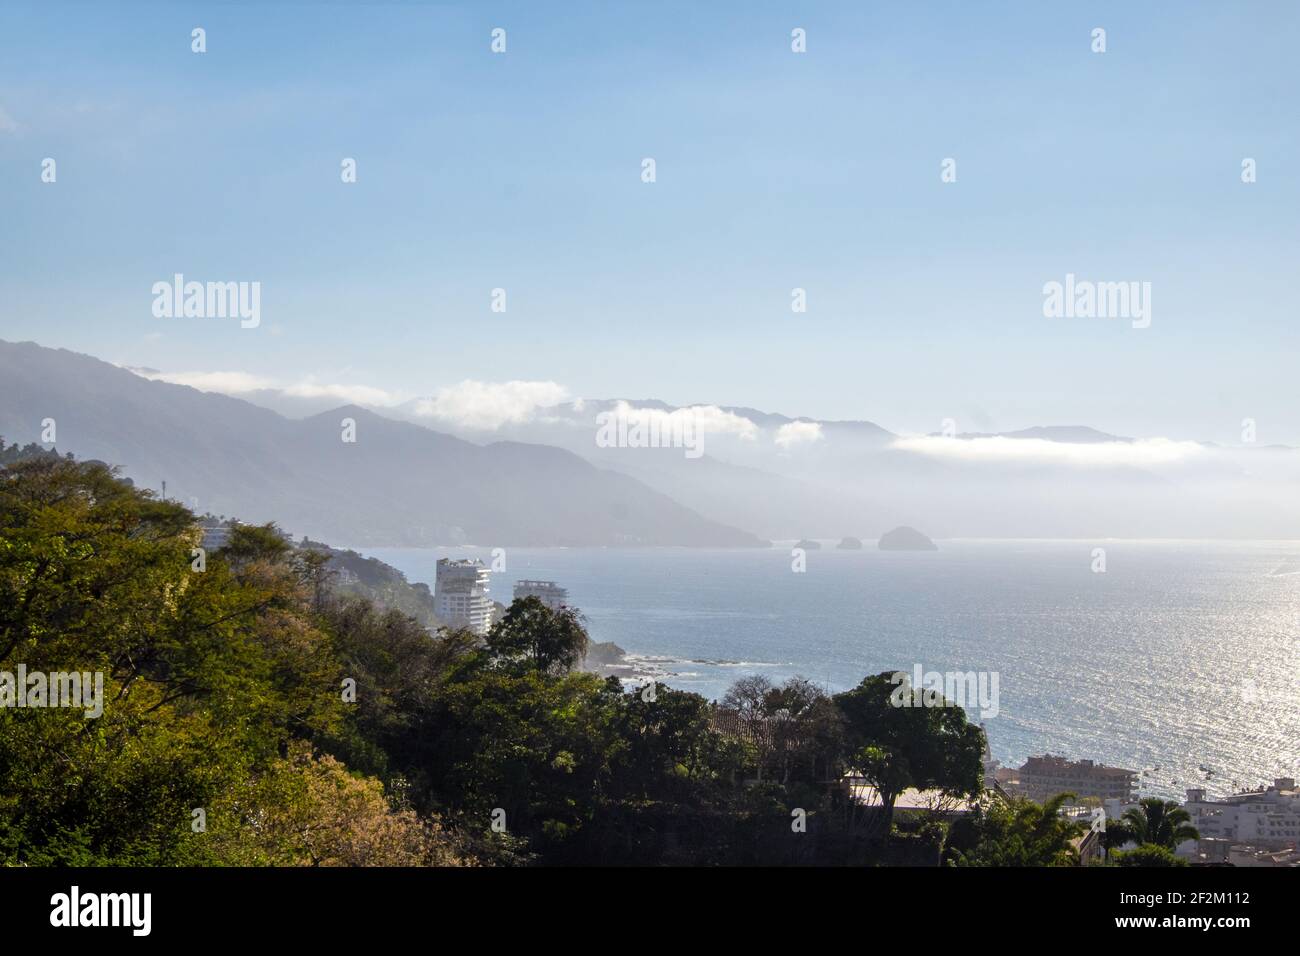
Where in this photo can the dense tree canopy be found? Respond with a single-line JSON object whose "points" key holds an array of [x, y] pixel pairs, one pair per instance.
{"points": [[210, 677], [254, 714]]}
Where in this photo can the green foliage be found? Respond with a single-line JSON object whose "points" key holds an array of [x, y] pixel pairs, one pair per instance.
{"points": [[208, 676], [897, 747], [667, 745], [532, 635], [1015, 832], [223, 692], [1155, 822], [1149, 854]]}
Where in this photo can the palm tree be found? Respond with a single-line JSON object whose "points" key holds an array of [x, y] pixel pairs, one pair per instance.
{"points": [[1015, 832], [1155, 821]]}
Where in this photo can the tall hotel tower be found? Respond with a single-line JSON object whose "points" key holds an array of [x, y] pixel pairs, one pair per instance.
{"points": [[460, 594]]}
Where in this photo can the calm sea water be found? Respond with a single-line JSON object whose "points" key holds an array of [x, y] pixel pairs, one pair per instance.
{"points": [[1180, 655]]}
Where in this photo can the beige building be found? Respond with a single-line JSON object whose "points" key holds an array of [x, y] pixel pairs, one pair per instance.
{"points": [[1042, 778]]}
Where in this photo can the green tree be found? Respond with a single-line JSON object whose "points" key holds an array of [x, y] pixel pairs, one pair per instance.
{"points": [[1153, 822], [309, 810], [898, 747], [398, 669], [534, 635], [667, 745], [537, 746], [210, 674]]}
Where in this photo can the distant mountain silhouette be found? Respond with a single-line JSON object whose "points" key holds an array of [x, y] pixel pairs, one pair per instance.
{"points": [[397, 484]]}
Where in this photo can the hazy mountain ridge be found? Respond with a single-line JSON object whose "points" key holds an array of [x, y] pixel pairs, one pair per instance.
{"points": [[826, 481], [397, 484], [857, 478]]}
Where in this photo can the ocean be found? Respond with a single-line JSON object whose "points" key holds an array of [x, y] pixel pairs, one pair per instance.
{"points": [[1181, 655]]}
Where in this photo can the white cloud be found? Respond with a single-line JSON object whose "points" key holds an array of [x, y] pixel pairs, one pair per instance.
{"points": [[241, 383], [229, 383], [356, 394], [1146, 453], [706, 419], [798, 433], [469, 404], [7, 124], [489, 405]]}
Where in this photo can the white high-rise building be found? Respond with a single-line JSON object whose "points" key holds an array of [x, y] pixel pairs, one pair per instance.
{"points": [[460, 594], [548, 592]]}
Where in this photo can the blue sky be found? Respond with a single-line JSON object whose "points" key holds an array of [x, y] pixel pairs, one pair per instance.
{"points": [[775, 170]]}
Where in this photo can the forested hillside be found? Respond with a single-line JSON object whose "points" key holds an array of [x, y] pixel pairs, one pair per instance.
{"points": [[253, 714]]}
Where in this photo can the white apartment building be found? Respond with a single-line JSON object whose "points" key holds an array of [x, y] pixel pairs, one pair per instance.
{"points": [[460, 594], [1268, 817], [548, 592], [1262, 823]]}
